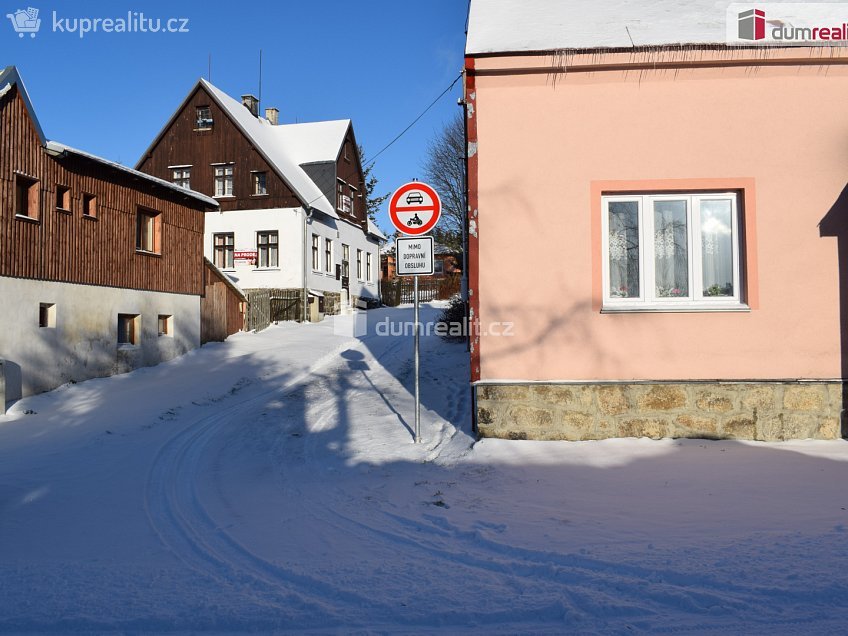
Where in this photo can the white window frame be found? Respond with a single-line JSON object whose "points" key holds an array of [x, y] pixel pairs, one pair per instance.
{"points": [[316, 253], [181, 176], [369, 264], [648, 300], [359, 266], [223, 179]]}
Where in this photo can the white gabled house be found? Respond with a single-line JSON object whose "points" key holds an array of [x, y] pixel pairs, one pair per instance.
{"points": [[292, 197]]}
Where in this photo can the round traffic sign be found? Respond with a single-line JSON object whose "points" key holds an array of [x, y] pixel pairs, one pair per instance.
{"points": [[415, 208]]}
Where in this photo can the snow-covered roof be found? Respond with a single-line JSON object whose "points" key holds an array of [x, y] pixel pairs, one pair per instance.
{"points": [[9, 76], [375, 231], [55, 146], [315, 141], [225, 278], [500, 26], [272, 146]]}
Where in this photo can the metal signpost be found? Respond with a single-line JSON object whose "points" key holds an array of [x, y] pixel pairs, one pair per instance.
{"points": [[415, 209]]}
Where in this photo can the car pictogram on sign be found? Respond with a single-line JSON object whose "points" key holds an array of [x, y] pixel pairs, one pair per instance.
{"points": [[414, 197]]}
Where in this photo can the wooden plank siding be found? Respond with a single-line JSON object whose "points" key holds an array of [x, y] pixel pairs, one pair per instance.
{"points": [[349, 170], [182, 144], [69, 247], [222, 310]]}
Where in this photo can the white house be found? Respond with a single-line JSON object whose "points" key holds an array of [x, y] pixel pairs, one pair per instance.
{"points": [[292, 210]]}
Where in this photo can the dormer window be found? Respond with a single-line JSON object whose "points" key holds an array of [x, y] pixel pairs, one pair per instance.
{"points": [[204, 118]]}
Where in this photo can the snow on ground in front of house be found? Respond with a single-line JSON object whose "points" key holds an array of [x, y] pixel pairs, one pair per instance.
{"points": [[270, 484]]}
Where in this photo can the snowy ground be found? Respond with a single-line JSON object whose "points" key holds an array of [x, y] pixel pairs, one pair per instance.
{"points": [[269, 484]]}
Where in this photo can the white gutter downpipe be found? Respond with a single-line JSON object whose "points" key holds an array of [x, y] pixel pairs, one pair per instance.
{"points": [[307, 215]]}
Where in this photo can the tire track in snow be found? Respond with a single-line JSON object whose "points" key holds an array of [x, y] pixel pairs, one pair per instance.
{"points": [[178, 517]]}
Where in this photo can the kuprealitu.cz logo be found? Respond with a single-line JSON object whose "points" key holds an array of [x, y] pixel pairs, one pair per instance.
{"points": [[28, 22]]}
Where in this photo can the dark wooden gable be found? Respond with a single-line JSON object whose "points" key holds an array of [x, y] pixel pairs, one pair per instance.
{"points": [[349, 170], [183, 143]]}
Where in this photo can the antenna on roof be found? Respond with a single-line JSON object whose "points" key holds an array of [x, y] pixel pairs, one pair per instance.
{"points": [[626, 28], [209, 74], [260, 76]]}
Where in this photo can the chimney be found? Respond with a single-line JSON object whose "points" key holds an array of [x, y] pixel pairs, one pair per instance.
{"points": [[251, 103], [272, 115]]}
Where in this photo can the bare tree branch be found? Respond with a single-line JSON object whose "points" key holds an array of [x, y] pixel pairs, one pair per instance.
{"points": [[444, 169]]}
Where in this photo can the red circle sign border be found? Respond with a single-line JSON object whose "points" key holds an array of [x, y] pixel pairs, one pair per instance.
{"points": [[437, 213]]}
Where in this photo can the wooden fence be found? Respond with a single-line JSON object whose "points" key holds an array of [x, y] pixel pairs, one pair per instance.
{"points": [[258, 309], [401, 290], [286, 304]]}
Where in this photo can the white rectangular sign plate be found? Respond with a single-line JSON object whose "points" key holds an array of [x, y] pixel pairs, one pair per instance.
{"points": [[415, 256]]}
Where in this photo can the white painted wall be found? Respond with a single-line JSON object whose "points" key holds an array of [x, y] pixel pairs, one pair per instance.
{"points": [[84, 342], [340, 233], [288, 222], [245, 224]]}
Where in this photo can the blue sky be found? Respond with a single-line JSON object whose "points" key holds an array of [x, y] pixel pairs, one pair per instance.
{"points": [[377, 62]]}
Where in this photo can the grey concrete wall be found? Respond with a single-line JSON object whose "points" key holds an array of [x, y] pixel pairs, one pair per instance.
{"points": [[768, 411], [84, 342]]}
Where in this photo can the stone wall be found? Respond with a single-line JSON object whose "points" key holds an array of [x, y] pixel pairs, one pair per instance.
{"points": [[332, 303], [768, 411]]}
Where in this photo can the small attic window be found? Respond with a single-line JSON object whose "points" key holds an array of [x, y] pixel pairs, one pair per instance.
{"points": [[204, 118]]}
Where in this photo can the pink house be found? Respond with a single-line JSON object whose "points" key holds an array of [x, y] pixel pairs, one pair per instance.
{"points": [[685, 205]]}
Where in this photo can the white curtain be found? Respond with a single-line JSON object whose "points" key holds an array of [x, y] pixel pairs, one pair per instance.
{"points": [[671, 249], [717, 247], [624, 249]]}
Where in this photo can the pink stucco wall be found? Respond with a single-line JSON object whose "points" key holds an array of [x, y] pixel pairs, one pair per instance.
{"points": [[550, 142]]}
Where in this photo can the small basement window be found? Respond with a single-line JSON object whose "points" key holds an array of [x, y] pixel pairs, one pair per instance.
{"points": [[63, 198], [26, 197], [166, 325], [47, 315], [129, 329], [89, 205]]}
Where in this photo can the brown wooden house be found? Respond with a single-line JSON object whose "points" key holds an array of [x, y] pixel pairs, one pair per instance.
{"points": [[101, 266], [292, 209]]}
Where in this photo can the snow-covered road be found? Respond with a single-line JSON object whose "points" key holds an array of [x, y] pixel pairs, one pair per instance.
{"points": [[270, 484]]}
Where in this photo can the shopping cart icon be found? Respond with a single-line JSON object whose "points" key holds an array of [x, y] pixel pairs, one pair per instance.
{"points": [[25, 21]]}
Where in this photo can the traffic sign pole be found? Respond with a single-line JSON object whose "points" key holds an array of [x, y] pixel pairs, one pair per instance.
{"points": [[417, 363], [414, 210]]}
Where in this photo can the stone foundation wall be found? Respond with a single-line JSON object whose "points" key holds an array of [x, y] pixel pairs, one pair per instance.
{"points": [[332, 303], [768, 411]]}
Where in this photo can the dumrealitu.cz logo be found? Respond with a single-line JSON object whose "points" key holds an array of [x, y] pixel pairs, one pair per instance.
{"points": [[25, 21], [788, 23]]}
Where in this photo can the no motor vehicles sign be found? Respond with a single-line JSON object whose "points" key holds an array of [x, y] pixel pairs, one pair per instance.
{"points": [[415, 256], [415, 208]]}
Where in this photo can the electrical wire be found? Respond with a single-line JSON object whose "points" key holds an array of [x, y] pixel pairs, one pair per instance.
{"points": [[403, 132], [414, 121]]}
